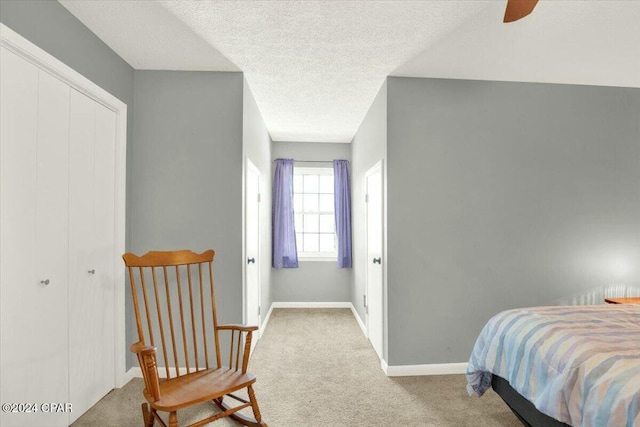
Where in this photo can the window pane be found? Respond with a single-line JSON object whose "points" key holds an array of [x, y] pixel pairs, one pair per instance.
{"points": [[327, 243], [310, 243], [299, 242], [326, 184], [326, 203], [298, 222], [327, 223], [310, 203], [297, 203], [297, 183], [310, 223], [310, 183]]}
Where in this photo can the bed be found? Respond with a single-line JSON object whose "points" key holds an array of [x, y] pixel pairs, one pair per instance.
{"points": [[577, 366]]}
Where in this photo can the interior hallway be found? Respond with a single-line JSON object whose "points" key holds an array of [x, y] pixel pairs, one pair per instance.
{"points": [[314, 367]]}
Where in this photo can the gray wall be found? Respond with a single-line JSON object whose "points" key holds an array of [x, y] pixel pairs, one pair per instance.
{"points": [[313, 281], [186, 172], [369, 146], [257, 146], [503, 195], [51, 27]]}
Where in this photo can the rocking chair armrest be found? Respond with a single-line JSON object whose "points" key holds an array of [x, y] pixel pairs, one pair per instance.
{"points": [[241, 328], [143, 350], [148, 365], [237, 346]]}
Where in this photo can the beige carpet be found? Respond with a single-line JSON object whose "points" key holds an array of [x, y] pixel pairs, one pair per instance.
{"points": [[315, 368]]}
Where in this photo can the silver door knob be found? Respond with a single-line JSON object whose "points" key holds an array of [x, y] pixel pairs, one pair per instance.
{"points": [[45, 282], [92, 271], [377, 261]]}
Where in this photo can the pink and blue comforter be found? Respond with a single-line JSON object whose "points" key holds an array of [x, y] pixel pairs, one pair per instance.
{"points": [[579, 364]]}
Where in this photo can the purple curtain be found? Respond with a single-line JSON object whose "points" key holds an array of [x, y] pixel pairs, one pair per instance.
{"points": [[284, 250], [342, 194]]}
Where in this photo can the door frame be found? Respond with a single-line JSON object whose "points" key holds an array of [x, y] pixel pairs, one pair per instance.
{"points": [[378, 166], [250, 166], [22, 47]]}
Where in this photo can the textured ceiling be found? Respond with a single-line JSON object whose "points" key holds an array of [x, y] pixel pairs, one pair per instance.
{"points": [[314, 67], [562, 41]]}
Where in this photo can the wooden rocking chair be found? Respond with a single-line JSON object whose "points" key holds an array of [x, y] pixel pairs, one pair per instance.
{"points": [[180, 284]]}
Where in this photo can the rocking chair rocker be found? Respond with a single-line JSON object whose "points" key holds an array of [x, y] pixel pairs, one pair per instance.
{"points": [[190, 377]]}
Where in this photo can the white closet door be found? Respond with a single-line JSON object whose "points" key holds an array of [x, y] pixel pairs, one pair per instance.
{"points": [[375, 263], [252, 242], [52, 225], [33, 224], [91, 240], [103, 319]]}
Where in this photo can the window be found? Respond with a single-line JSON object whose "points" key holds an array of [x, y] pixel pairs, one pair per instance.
{"points": [[313, 205]]}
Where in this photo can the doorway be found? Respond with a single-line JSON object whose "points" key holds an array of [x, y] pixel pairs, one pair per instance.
{"points": [[252, 249], [374, 261]]}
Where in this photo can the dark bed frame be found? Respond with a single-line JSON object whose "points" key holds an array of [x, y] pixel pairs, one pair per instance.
{"points": [[521, 407]]}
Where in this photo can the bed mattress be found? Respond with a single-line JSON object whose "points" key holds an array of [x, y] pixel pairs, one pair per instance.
{"points": [[580, 365]]}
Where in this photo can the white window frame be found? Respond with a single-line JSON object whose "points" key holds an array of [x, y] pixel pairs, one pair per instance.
{"points": [[316, 256]]}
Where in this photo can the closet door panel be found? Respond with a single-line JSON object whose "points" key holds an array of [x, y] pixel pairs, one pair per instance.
{"points": [[82, 293], [104, 232], [33, 220], [18, 278], [92, 234], [52, 225]]}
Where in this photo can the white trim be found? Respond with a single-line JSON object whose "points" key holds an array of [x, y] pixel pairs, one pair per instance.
{"points": [[315, 258], [37, 56], [17, 44], [286, 304], [120, 200], [432, 369], [312, 170], [362, 325], [266, 320], [132, 373]]}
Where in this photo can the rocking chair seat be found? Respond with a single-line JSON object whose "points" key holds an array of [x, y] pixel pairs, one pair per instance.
{"points": [[198, 387]]}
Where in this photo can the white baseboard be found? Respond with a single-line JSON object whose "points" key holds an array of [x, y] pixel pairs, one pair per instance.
{"points": [[362, 325], [417, 370], [287, 304], [266, 320], [132, 373]]}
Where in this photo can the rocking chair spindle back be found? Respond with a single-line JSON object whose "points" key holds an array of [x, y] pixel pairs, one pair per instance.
{"points": [[179, 316]]}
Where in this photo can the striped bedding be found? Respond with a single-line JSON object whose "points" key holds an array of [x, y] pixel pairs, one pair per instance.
{"points": [[579, 364]]}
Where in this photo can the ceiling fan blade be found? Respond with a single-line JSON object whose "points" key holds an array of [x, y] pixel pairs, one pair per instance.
{"points": [[518, 9]]}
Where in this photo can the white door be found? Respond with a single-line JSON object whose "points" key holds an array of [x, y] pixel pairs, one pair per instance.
{"points": [[374, 257], [252, 245], [91, 240], [34, 124]]}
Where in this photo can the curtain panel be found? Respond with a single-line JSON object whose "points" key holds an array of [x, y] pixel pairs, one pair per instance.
{"points": [[342, 201], [284, 252]]}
